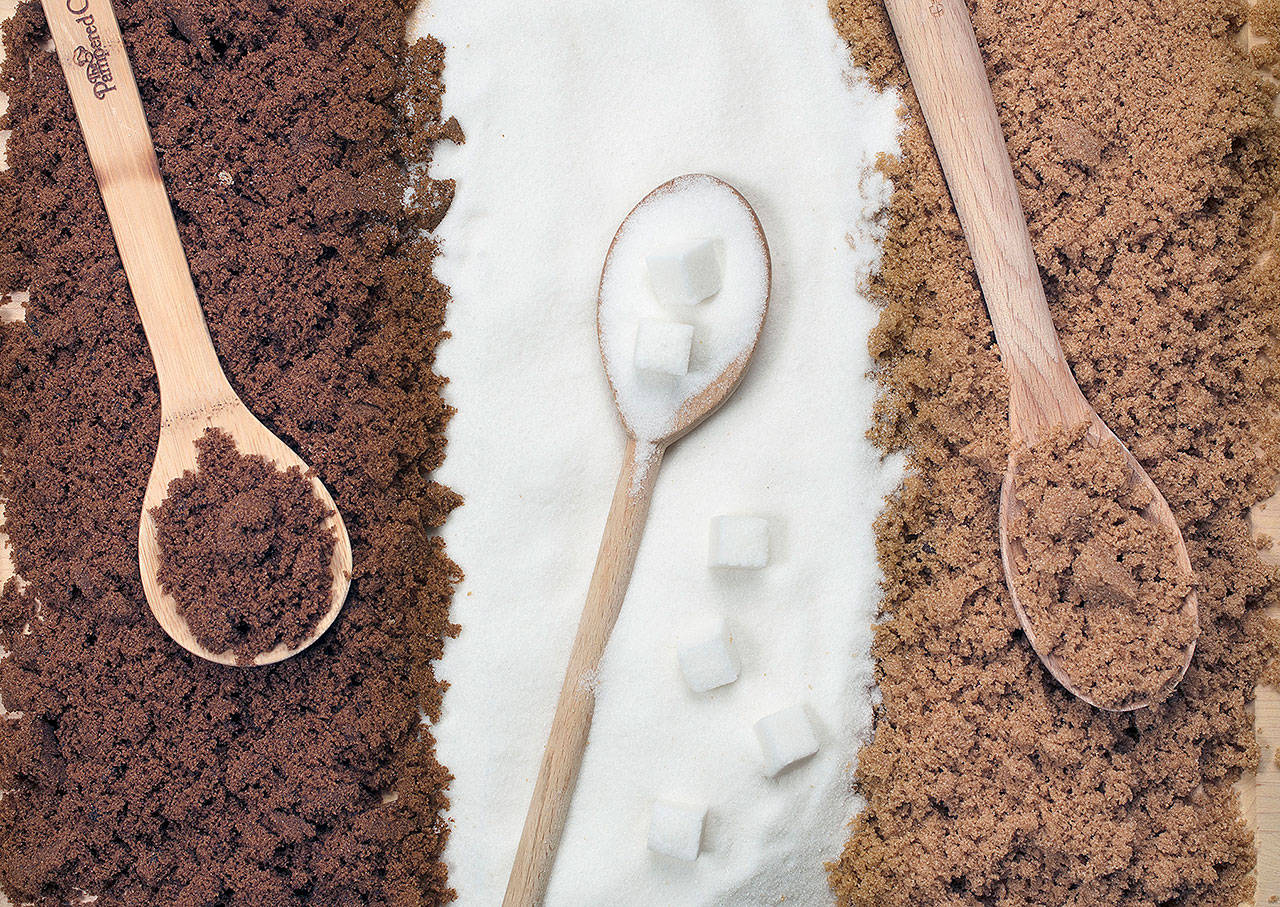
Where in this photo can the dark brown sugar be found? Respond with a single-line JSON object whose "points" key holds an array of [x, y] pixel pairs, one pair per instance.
{"points": [[1147, 155], [245, 551], [1098, 580], [132, 771]]}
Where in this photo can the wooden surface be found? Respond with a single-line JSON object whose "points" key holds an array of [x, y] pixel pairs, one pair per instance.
{"points": [[194, 392], [1260, 794]]}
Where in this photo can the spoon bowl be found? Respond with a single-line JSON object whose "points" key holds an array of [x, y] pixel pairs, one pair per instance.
{"points": [[1012, 552], [176, 454], [701, 403]]}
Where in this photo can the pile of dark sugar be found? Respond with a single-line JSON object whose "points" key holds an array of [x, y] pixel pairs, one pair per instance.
{"points": [[1099, 582], [132, 771], [245, 551]]}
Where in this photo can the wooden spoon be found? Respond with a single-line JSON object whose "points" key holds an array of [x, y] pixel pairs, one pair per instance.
{"points": [[194, 392], [553, 792], [950, 81]]}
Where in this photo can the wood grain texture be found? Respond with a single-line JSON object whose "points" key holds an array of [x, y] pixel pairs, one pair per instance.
{"points": [[1260, 794], [116, 134], [950, 81], [195, 394]]}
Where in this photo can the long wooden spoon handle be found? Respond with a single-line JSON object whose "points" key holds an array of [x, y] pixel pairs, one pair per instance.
{"points": [[92, 53], [950, 81], [553, 792]]}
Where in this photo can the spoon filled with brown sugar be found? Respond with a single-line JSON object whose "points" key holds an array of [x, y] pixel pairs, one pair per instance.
{"points": [[1095, 562], [198, 406]]}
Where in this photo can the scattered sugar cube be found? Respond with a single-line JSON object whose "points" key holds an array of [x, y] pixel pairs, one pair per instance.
{"points": [[707, 659], [785, 738], [739, 541], [663, 346], [675, 829], [687, 274]]}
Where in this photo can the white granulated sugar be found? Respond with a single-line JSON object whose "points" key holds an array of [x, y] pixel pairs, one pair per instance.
{"points": [[574, 110], [725, 328]]}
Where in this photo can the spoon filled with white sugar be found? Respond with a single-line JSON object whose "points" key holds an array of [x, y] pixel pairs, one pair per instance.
{"points": [[683, 296]]}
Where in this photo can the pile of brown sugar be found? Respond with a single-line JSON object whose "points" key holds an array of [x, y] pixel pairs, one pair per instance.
{"points": [[1098, 580], [133, 772], [1148, 160], [245, 551]]}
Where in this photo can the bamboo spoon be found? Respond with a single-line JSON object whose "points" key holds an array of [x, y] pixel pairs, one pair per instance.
{"points": [[950, 81], [553, 791], [194, 392]]}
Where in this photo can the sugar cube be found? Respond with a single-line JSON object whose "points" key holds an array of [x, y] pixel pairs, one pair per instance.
{"points": [[786, 737], [686, 274], [707, 659], [739, 541], [675, 829], [663, 346]]}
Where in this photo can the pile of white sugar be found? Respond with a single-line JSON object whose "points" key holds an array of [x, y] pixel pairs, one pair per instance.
{"points": [[574, 110]]}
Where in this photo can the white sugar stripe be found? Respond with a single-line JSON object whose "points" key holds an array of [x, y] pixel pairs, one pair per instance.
{"points": [[574, 109]]}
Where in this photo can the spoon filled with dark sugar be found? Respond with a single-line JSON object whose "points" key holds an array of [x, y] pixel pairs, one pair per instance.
{"points": [[1093, 557], [199, 410]]}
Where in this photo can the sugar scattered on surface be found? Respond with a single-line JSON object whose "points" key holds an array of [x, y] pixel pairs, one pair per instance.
{"points": [[786, 737], [706, 656], [573, 111], [724, 328], [675, 829]]}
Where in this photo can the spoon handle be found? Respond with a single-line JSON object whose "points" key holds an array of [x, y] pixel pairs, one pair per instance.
{"points": [[553, 792], [942, 56], [105, 95]]}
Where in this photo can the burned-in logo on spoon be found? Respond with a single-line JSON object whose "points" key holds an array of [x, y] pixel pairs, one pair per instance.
{"points": [[95, 59]]}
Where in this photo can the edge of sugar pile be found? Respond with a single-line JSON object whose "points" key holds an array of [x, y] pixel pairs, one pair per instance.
{"points": [[574, 109], [725, 326]]}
